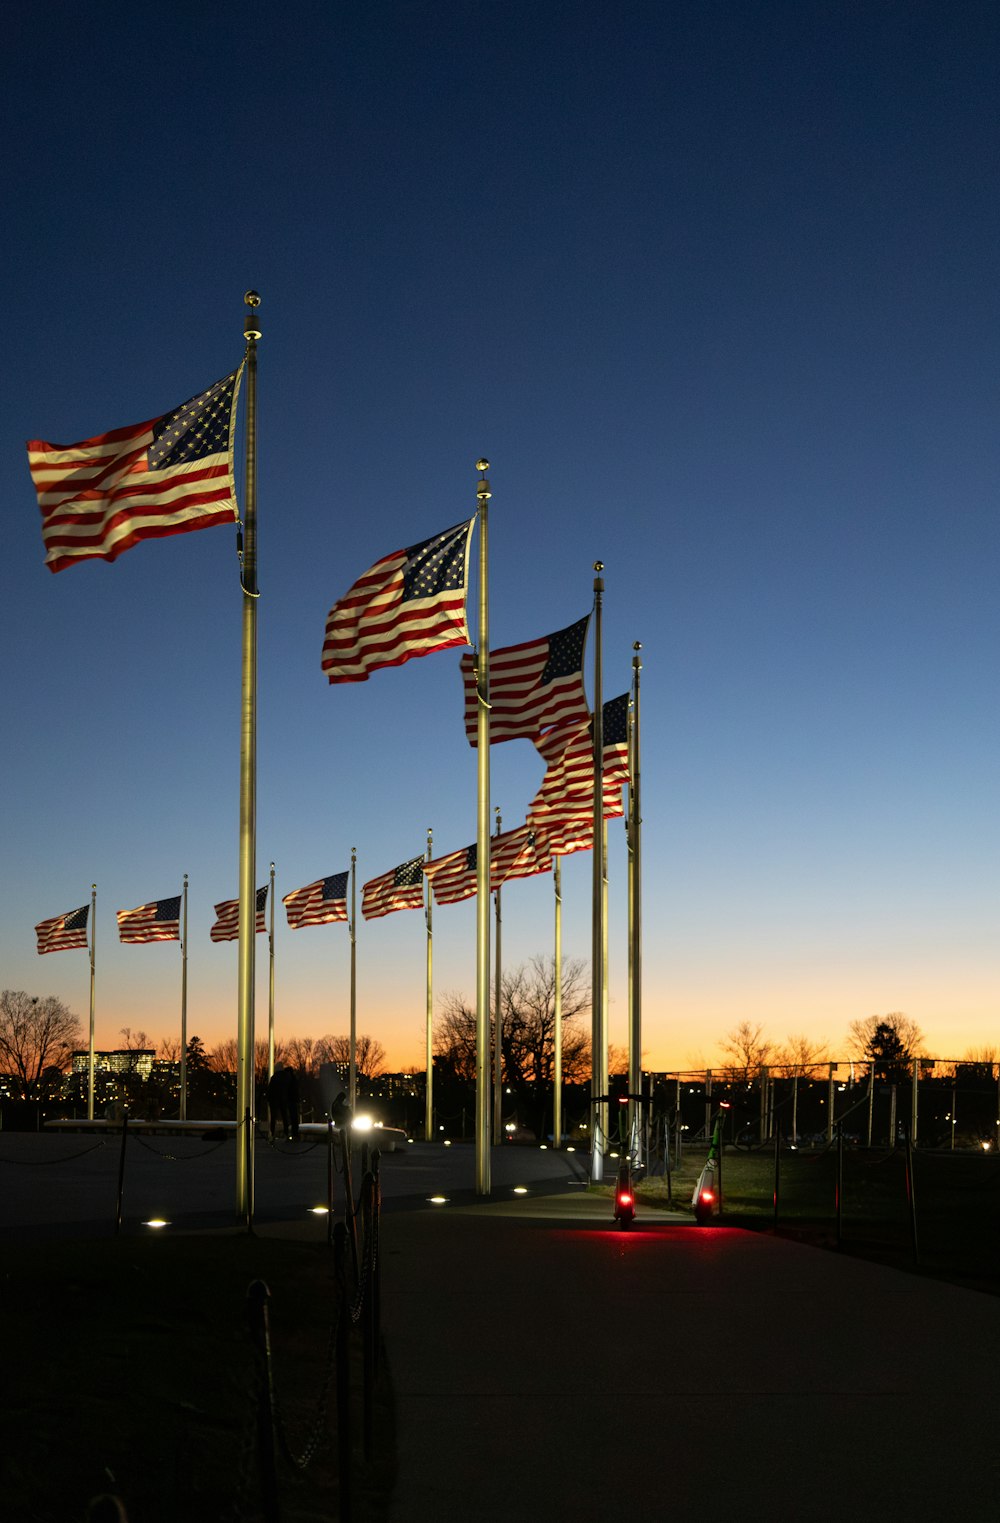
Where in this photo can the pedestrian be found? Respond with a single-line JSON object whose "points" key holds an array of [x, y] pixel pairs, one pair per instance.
{"points": [[283, 1102]]}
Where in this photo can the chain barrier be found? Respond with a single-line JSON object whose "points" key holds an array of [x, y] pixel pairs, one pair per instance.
{"points": [[43, 1163], [266, 1416], [176, 1157]]}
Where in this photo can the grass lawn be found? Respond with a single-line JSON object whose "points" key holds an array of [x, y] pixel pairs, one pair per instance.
{"points": [[957, 1199], [128, 1368]]}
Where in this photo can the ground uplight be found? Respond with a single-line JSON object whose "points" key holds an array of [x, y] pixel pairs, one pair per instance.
{"points": [[319, 1210], [437, 1200], [157, 1221], [520, 1189]]}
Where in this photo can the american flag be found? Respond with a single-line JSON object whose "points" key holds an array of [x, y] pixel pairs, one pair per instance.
{"points": [[63, 932], [409, 604], [175, 473], [453, 877], [159, 921], [519, 853], [564, 803], [532, 686], [516, 853], [227, 924], [317, 903], [400, 889]]}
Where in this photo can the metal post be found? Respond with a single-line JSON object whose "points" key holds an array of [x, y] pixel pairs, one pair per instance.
{"points": [[598, 1032], [831, 1103], [343, 1380], [93, 965], [892, 1117], [247, 1151], [429, 1076], [270, 981], [497, 1023], [184, 1005], [795, 1110], [248, 781], [839, 1193], [913, 1103], [911, 1199], [871, 1100], [557, 1014], [483, 846], [708, 1106], [121, 1174], [330, 1182], [777, 1173], [258, 1295], [352, 1084], [635, 889]]}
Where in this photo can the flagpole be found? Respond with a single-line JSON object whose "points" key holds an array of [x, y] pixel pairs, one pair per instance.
{"points": [[497, 1021], [557, 1054], [429, 1076], [184, 1003], [93, 965], [270, 984], [598, 1032], [635, 897], [352, 1082], [248, 788], [483, 495]]}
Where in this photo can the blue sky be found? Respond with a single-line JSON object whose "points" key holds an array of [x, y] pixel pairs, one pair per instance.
{"points": [[714, 288]]}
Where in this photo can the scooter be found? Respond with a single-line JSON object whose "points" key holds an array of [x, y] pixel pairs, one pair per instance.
{"points": [[705, 1198]]}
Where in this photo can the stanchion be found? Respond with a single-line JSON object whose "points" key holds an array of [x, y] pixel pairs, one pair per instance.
{"points": [[330, 1176], [777, 1172], [258, 1295], [121, 1173], [349, 1212], [344, 1455], [367, 1318], [911, 1199], [248, 1157], [839, 1191]]}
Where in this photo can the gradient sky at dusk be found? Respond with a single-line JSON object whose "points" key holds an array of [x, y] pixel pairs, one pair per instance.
{"points": [[714, 287]]}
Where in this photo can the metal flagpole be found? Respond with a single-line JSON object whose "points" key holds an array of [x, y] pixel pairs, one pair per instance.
{"points": [[352, 1082], [248, 789], [557, 1000], [483, 495], [184, 1003], [270, 985], [635, 896], [429, 1076], [93, 964], [497, 1027], [598, 1032]]}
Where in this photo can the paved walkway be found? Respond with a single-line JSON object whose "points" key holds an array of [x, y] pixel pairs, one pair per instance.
{"points": [[547, 1366]]}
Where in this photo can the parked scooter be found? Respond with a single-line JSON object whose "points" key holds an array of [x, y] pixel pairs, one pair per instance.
{"points": [[705, 1198]]}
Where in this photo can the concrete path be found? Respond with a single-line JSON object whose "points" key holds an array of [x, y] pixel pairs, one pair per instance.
{"points": [[546, 1366]]}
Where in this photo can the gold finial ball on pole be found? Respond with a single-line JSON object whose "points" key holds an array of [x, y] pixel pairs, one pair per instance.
{"points": [[637, 645], [482, 465], [482, 485], [250, 328], [598, 566]]}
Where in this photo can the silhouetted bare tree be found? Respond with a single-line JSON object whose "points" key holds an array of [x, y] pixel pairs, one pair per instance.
{"points": [[35, 1034]]}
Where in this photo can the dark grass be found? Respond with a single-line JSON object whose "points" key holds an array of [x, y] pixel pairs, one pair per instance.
{"points": [[957, 1199], [128, 1368]]}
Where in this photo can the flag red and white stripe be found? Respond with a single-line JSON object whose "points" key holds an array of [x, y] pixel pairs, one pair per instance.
{"points": [[227, 921], [158, 921], [318, 903], [532, 686], [519, 853], [63, 932], [402, 888], [409, 604], [563, 806], [167, 476]]}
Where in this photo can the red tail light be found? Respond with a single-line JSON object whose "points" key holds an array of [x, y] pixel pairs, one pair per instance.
{"points": [[707, 1195], [624, 1199]]}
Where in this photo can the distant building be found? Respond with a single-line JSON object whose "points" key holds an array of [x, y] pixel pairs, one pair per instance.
{"points": [[122, 1060]]}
